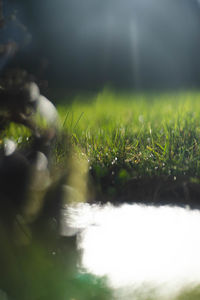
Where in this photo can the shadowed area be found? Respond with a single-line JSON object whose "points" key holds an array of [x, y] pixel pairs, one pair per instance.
{"points": [[127, 44]]}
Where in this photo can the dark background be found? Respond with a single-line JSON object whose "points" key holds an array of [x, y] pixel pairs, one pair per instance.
{"points": [[128, 44]]}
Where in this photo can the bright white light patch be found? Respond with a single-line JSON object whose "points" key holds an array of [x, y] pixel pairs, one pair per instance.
{"points": [[9, 147], [136, 244], [41, 162], [47, 111]]}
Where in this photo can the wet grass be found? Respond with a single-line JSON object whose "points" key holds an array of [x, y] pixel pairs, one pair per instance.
{"points": [[152, 134], [136, 136], [135, 143]]}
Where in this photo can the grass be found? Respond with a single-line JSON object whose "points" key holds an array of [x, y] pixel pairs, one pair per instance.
{"points": [[154, 134], [133, 139], [136, 136]]}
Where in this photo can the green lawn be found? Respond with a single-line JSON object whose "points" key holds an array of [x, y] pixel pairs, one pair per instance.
{"points": [[145, 134], [128, 136], [144, 139]]}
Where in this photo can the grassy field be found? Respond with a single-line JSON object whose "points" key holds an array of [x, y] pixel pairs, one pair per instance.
{"points": [[137, 138], [155, 134], [139, 146]]}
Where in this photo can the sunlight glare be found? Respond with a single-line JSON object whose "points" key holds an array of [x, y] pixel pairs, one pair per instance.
{"points": [[137, 244]]}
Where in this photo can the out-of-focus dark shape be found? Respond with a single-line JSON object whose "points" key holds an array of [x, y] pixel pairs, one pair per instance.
{"points": [[27, 182], [26, 219], [14, 35], [1, 15], [21, 102], [8, 49], [14, 178], [24, 174], [24, 178]]}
